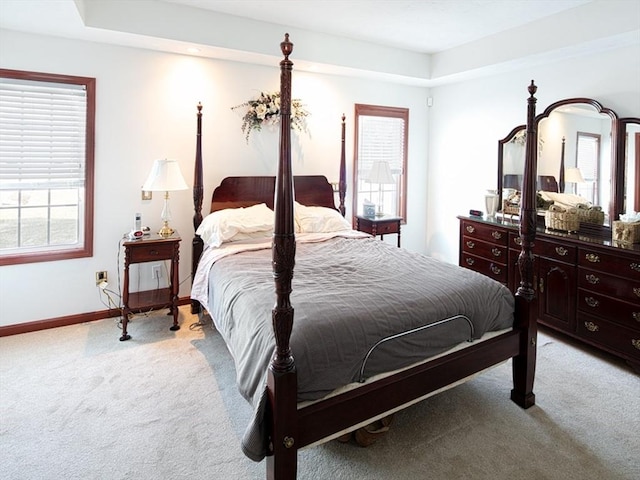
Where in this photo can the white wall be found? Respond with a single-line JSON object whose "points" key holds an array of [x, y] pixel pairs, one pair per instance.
{"points": [[146, 109], [469, 118]]}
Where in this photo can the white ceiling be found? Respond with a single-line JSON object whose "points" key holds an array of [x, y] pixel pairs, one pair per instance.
{"points": [[424, 26], [420, 42]]}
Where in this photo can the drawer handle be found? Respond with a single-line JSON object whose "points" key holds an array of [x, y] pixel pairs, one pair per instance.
{"points": [[496, 252], [636, 290], [153, 252], [470, 229], [635, 266], [636, 343], [495, 270], [562, 251], [592, 327], [518, 241], [470, 244], [470, 261], [496, 235], [636, 316], [592, 279], [592, 257], [592, 302]]}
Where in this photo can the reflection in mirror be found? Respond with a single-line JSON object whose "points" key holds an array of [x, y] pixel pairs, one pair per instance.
{"points": [[631, 144], [511, 151], [577, 155]]}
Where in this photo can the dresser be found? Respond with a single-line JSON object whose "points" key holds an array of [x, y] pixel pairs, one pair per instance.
{"points": [[586, 287]]}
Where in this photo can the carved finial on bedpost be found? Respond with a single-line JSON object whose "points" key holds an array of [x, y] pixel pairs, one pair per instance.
{"points": [[342, 184], [528, 214]]}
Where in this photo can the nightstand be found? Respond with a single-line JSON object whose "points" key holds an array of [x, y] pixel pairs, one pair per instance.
{"points": [[379, 225], [151, 249]]}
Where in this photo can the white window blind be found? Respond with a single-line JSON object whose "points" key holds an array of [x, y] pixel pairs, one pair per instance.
{"points": [[42, 135], [381, 139], [587, 161]]}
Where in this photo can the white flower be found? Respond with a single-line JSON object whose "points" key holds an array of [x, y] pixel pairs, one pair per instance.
{"points": [[266, 109], [261, 111]]}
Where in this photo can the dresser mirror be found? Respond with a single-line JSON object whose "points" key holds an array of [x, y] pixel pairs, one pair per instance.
{"points": [[577, 155], [630, 142]]}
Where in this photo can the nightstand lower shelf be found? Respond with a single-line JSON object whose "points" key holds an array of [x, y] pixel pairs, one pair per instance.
{"points": [[150, 300]]}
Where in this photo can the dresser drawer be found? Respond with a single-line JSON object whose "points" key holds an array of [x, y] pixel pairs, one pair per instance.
{"points": [[484, 249], [495, 270], [556, 251], [618, 287], [616, 337], [150, 253], [625, 313], [487, 233], [609, 262]]}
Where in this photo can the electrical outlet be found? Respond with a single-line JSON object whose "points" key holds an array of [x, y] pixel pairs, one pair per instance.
{"points": [[156, 272], [101, 277]]}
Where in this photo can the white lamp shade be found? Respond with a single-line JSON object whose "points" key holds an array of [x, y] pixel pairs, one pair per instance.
{"points": [[380, 173], [573, 175], [165, 176]]}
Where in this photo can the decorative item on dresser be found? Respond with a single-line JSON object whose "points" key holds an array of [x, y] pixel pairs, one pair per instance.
{"points": [[587, 287]]}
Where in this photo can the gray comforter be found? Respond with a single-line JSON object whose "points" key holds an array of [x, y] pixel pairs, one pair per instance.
{"points": [[347, 294]]}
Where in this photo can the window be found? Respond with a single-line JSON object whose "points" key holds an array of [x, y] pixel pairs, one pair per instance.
{"points": [[380, 159], [46, 166], [588, 162]]}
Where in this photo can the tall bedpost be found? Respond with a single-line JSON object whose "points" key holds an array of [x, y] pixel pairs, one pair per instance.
{"points": [[282, 377], [524, 364], [342, 183], [197, 244]]}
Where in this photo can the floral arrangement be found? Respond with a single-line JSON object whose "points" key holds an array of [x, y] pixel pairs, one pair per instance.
{"points": [[265, 110], [520, 138]]}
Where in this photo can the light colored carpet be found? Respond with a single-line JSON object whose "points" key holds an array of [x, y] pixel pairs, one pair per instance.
{"points": [[76, 403]]}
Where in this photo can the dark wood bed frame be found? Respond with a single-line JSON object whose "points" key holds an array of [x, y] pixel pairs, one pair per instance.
{"points": [[291, 428]]}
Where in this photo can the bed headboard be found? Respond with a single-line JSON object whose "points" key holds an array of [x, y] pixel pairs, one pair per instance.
{"points": [[235, 192]]}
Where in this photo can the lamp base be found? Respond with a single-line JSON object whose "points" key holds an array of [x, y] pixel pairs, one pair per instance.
{"points": [[166, 230]]}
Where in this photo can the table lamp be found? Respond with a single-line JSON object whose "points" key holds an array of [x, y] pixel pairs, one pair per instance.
{"points": [[381, 174], [166, 177], [573, 175]]}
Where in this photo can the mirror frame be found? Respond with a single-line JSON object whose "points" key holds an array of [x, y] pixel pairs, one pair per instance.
{"points": [[616, 202], [501, 144], [622, 151]]}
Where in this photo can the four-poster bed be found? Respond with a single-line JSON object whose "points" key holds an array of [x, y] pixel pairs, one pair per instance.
{"points": [[296, 389]]}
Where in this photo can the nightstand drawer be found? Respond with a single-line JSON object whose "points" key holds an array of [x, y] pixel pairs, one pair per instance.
{"points": [[150, 253], [388, 227]]}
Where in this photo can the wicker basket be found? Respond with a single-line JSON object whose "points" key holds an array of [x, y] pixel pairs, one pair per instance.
{"points": [[556, 218], [593, 215], [626, 232], [509, 208]]}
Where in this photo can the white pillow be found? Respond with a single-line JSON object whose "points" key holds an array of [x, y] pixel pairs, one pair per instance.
{"points": [[236, 224], [319, 220]]}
